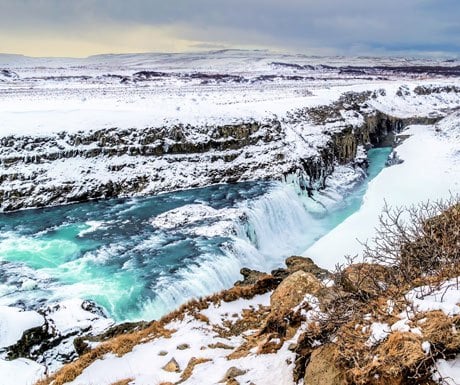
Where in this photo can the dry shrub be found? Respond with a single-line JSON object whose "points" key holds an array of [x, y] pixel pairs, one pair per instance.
{"points": [[391, 361], [418, 242], [414, 247], [400, 353], [364, 279]]}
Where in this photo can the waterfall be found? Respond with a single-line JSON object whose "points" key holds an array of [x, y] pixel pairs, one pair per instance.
{"points": [[268, 229]]}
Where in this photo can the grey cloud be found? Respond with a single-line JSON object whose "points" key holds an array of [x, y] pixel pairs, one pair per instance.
{"points": [[340, 25]]}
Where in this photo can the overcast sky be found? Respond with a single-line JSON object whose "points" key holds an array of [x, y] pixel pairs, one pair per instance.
{"points": [[344, 27]]}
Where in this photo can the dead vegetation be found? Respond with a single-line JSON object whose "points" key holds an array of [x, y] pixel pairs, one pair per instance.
{"points": [[186, 374], [123, 382], [414, 247], [420, 243]]}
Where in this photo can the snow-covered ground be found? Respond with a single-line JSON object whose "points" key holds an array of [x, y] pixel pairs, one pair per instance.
{"points": [[61, 321], [42, 96], [13, 322], [146, 363], [430, 171]]}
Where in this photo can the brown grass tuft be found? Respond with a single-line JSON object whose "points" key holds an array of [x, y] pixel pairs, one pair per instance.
{"points": [[123, 382], [188, 371], [440, 330]]}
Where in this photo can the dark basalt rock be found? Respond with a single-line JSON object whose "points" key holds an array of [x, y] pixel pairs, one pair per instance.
{"points": [[9, 74], [119, 329], [250, 277], [38, 336]]}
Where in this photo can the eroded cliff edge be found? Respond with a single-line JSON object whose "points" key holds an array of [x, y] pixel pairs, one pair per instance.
{"points": [[305, 145]]}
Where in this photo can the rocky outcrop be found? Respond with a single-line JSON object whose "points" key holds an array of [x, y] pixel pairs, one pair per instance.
{"points": [[289, 295], [250, 277], [364, 278], [321, 369], [60, 339], [37, 171]]}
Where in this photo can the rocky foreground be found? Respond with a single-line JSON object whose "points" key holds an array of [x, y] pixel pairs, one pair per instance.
{"points": [[366, 323]]}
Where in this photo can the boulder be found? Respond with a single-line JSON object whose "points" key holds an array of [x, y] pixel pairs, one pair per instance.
{"points": [[292, 290], [364, 278], [306, 264], [321, 369], [289, 294], [172, 366], [232, 373]]}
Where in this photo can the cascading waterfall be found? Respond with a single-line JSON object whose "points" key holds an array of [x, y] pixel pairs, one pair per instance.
{"points": [[268, 229], [141, 258]]}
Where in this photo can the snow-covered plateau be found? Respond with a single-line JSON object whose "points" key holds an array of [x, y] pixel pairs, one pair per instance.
{"points": [[257, 156]]}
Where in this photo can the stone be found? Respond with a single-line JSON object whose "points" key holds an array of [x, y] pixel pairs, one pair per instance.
{"points": [[250, 277], [172, 366], [183, 347], [364, 278], [292, 291], [231, 373], [306, 264], [321, 369], [289, 294], [163, 353], [280, 273]]}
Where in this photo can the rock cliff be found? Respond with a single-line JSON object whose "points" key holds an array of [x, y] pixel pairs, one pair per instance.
{"points": [[43, 170]]}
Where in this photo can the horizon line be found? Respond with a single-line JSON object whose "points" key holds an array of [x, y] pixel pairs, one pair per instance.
{"points": [[261, 50]]}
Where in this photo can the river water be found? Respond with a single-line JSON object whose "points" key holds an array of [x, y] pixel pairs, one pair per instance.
{"points": [[141, 258]]}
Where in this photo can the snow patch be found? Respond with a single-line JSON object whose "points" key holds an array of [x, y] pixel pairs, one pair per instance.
{"points": [[14, 322]]}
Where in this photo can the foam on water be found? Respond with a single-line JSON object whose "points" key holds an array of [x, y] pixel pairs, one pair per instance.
{"points": [[140, 258]]}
